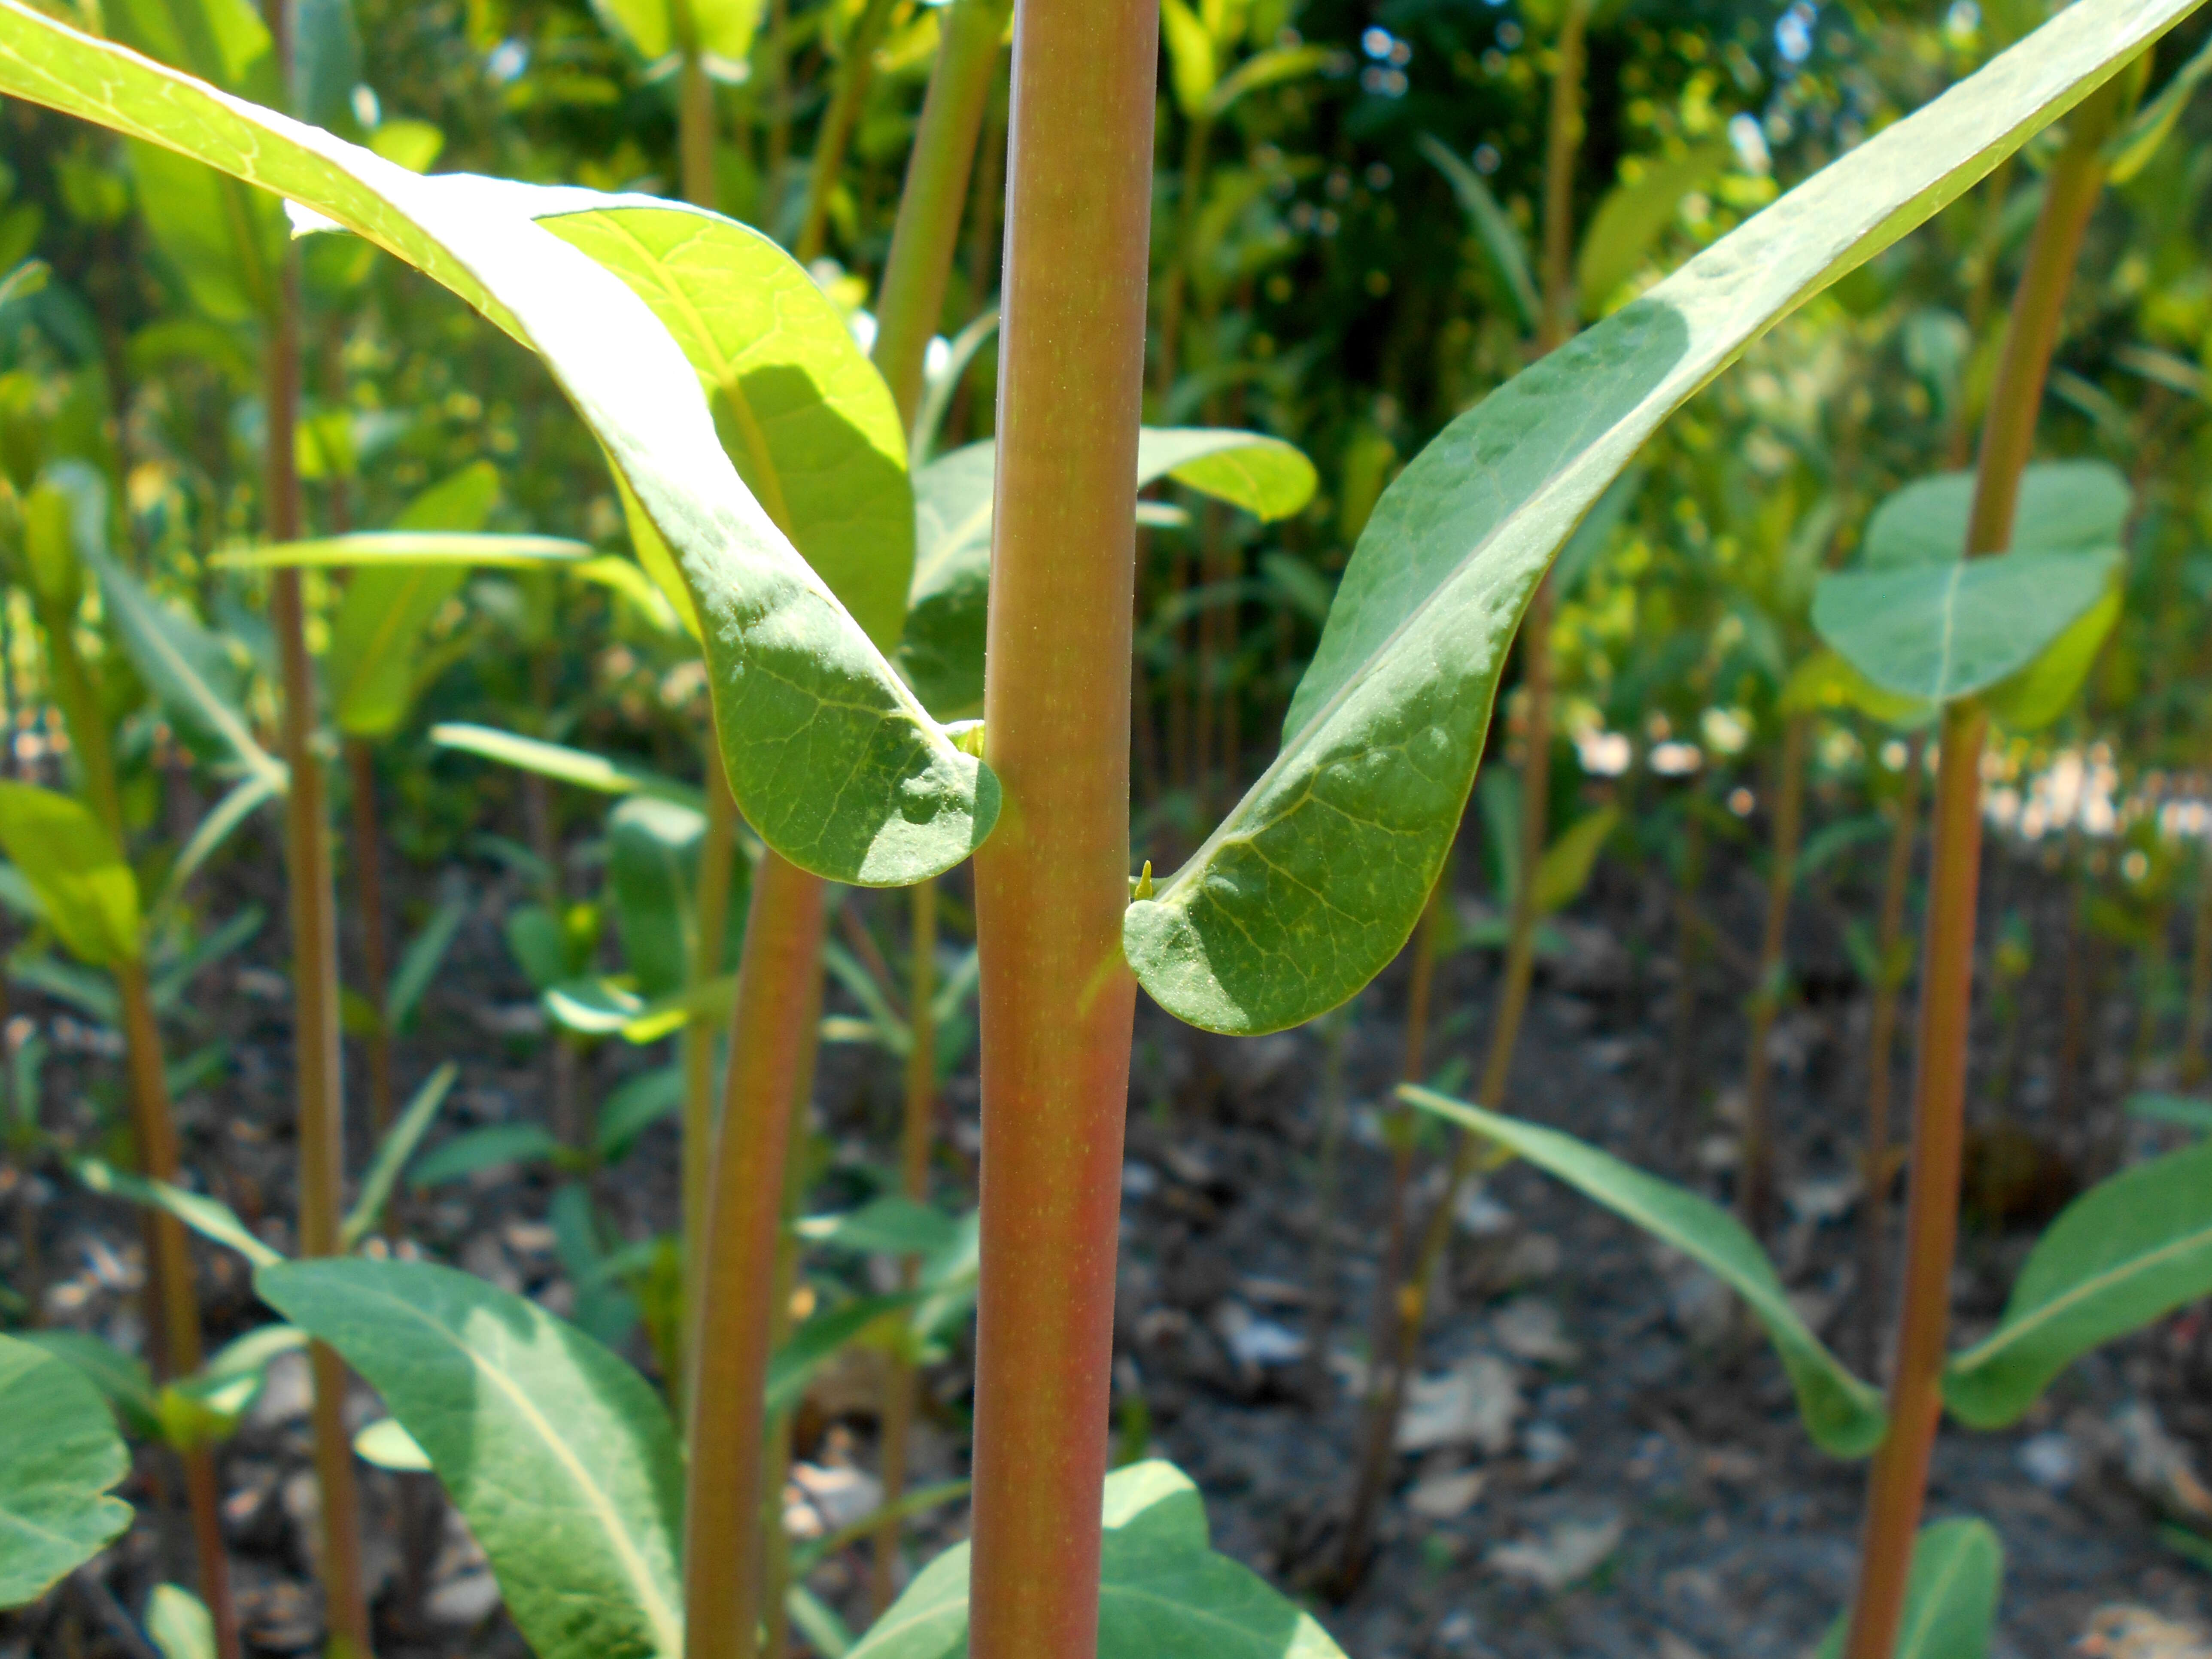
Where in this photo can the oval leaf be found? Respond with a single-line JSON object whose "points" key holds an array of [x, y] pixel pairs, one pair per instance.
{"points": [[1844, 1415], [1315, 881], [1164, 1592], [2065, 506], [1950, 1595], [559, 1457], [1936, 632], [942, 653], [2126, 1251], [74, 867], [833, 761], [59, 1458]]}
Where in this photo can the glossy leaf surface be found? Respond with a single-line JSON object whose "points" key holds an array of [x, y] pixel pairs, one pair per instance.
{"points": [[1843, 1414], [942, 653], [1317, 878], [559, 1457], [59, 1458], [1163, 1591], [834, 761], [2128, 1250]]}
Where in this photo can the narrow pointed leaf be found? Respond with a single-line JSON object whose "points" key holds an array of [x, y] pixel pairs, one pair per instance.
{"points": [[75, 868], [1315, 879], [209, 834], [419, 962], [1843, 1414], [559, 1456], [370, 549], [833, 761], [1936, 632], [210, 1218], [1164, 1592], [942, 653], [59, 1458], [1632, 217], [1565, 868], [566, 765], [2127, 1251], [483, 1149], [1500, 237], [815, 1343], [1950, 1595], [393, 1155]]}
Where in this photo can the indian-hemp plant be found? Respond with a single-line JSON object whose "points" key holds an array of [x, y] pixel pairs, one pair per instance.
{"points": [[567, 1469]]}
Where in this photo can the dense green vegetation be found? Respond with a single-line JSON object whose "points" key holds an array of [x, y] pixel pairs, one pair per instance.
{"points": [[1165, 493]]}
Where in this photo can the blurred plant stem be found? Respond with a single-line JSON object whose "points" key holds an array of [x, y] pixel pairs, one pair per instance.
{"points": [[1757, 1197], [834, 134], [1897, 1486], [1895, 968]]}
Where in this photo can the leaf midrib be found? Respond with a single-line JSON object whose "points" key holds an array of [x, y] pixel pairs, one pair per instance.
{"points": [[667, 1628], [2011, 1332]]}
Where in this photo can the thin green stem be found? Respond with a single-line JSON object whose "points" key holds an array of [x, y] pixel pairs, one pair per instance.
{"points": [[836, 132], [1757, 1197], [1881, 1045], [695, 130], [717, 849], [1897, 1486], [772, 1041], [1052, 882]]}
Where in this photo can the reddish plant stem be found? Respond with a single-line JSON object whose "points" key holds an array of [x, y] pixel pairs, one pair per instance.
{"points": [[1881, 1045], [1767, 993], [1897, 1486], [368, 893], [2200, 978], [772, 1041], [1051, 884]]}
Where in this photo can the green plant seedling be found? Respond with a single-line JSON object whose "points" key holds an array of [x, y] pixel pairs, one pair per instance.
{"points": [[1951, 1598]]}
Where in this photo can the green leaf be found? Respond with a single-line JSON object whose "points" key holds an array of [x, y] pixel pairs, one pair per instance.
{"points": [[193, 672], [2182, 1110], [210, 1218], [1633, 217], [224, 240], [179, 1623], [419, 962], [888, 1226], [1565, 868], [635, 1106], [1843, 1414], [122, 1378], [2130, 150], [1826, 680], [566, 765], [647, 27], [1315, 879], [59, 1458], [652, 872], [2040, 693], [833, 761], [1950, 1595], [815, 1342], [2128, 1250], [942, 653], [1500, 237], [2065, 506], [393, 1155], [722, 32], [372, 548], [388, 1446], [483, 1149], [1164, 1592], [209, 834], [326, 64], [75, 868], [558, 1455], [1936, 632], [1191, 66], [1270, 68]]}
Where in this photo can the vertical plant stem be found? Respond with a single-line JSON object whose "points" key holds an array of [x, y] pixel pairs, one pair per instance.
{"points": [[917, 1132], [1882, 1043], [1174, 278], [1690, 949], [836, 132], [718, 847], [776, 94], [911, 305], [1897, 1486], [771, 1048], [1051, 884], [775, 1552], [368, 893], [695, 130], [1329, 1160], [1758, 1195]]}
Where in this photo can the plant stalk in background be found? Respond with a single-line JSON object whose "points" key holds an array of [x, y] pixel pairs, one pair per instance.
{"points": [[1897, 1486], [1767, 993], [1882, 1048], [838, 121], [1058, 1000]]}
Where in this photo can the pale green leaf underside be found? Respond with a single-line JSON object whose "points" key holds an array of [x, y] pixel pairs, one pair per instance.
{"points": [[2125, 1252], [59, 1458], [373, 548], [1317, 878], [1164, 1592], [1950, 1595], [2065, 507], [1843, 1414], [833, 761], [1939, 632], [557, 1453], [942, 653]]}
